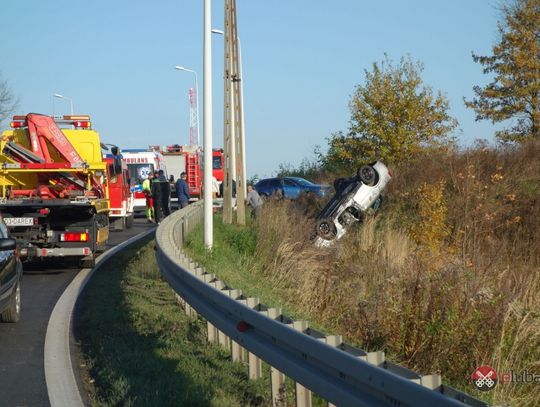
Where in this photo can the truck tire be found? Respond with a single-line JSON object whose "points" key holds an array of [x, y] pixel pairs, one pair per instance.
{"points": [[13, 313], [129, 221], [88, 262], [119, 224]]}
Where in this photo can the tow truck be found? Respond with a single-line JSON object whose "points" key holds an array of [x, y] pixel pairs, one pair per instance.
{"points": [[52, 192]]}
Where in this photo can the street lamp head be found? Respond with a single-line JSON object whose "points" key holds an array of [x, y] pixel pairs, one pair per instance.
{"points": [[57, 95], [179, 68], [216, 31]]}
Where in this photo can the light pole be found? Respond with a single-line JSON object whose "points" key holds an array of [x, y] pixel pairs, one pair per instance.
{"points": [[243, 140], [57, 95], [207, 78], [181, 68]]}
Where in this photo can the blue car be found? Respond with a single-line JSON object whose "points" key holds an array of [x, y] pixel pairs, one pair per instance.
{"points": [[289, 187]]}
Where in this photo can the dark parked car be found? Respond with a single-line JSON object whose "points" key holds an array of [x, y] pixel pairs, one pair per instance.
{"points": [[10, 277], [289, 187]]}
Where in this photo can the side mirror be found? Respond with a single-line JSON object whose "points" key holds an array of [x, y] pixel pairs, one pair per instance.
{"points": [[8, 244]]}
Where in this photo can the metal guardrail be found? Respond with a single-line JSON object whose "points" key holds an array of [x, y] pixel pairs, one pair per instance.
{"points": [[340, 373]]}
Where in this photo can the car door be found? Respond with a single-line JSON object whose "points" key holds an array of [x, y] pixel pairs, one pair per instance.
{"points": [[291, 189]]}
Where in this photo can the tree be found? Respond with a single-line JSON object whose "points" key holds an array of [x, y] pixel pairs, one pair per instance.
{"points": [[394, 116], [514, 92], [8, 102]]}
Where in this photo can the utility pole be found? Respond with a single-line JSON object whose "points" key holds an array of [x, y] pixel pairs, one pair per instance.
{"points": [[227, 116], [233, 140]]}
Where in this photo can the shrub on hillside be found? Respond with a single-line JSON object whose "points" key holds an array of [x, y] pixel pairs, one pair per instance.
{"points": [[442, 279]]}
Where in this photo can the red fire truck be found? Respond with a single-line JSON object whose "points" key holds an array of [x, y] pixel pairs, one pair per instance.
{"points": [[218, 164], [120, 195], [179, 159]]}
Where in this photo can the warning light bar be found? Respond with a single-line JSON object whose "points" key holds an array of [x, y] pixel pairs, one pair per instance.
{"points": [[74, 237], [17, 124]]}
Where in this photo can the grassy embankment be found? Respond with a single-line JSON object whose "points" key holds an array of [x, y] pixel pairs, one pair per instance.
{"points": [[444, 279], [140, 349]]}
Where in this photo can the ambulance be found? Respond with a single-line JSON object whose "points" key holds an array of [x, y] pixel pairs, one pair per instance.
{"points": [[141, 163]]}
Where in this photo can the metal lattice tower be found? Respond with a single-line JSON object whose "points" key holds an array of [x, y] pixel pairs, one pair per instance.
{"points": [[193, 118]]}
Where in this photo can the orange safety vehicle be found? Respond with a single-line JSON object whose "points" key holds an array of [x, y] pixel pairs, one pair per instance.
{"points": [[52, 192]]}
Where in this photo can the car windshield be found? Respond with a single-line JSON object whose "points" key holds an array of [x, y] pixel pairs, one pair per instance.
{"points": [[139, 172], [301, 181]]}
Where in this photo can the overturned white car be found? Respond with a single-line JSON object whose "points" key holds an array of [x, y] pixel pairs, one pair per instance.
{"points": [[353, 197]]}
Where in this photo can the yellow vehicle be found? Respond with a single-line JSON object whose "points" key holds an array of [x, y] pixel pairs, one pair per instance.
{"points": [[52, 192]]}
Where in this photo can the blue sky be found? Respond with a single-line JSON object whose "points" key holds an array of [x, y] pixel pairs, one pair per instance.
{"points": [[301, 62]]}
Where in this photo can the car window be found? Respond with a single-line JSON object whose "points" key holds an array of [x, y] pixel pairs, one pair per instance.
{"points": [[289, 182], [301, 181], [274, 183]]}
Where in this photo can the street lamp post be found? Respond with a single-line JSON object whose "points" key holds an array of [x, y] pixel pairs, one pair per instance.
{"points": [[57, 95], [243, 140], [181, 68], [207, 63]]}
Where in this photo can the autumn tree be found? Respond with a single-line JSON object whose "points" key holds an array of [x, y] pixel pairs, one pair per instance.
{"points": [[394, 116], [8, 102], [514, 93]]}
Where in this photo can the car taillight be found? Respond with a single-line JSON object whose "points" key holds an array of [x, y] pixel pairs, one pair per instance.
{"points": [[44, 211], [74, 237]]}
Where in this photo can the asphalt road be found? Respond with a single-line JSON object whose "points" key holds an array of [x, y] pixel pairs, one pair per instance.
{"points": [[22, 374]]}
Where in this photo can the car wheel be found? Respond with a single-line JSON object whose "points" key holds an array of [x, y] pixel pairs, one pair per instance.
{"points": [[13, 313], [326, 229], [366, 174]]}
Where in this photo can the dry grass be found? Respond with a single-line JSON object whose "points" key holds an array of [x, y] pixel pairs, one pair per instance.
{"points": [[444, 279]]}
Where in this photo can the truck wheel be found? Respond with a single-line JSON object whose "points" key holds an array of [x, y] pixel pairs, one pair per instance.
{"points": [[13, 313], [129, 221], [366, 174], [119, 224], [88, 263]]}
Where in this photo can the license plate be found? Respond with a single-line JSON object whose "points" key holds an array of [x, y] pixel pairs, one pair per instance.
{"points": [[19, 221]]}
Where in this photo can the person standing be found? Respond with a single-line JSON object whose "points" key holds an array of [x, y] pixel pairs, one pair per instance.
{"points": [[165, 193], [147, 190], [254, 200], [182, 191], [156, 196]]}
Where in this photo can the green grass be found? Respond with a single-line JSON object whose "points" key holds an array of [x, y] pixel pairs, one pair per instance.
{"points": [[232, 261], [141, 350]]}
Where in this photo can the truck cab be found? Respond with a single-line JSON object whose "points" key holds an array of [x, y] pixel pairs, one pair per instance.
{"points": [[120, 194]]}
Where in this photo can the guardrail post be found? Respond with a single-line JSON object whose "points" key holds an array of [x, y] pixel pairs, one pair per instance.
{"points": [[303, 395], [254, 363], [431, 381], [278, 387], [335, 341], [212, 332]]}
